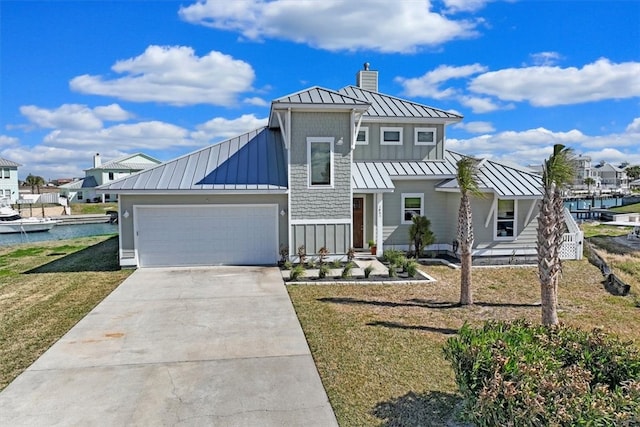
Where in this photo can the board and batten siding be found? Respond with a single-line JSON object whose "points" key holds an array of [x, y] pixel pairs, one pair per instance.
{"points": [[320, 217], [407, 151]]}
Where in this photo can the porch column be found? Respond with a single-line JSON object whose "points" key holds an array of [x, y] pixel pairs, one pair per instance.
{"points": [[377, 202]]}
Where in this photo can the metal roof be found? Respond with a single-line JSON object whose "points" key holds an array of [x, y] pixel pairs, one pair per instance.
{"points": [[253, 161], [319, 96], [122, 163], [8, 163], [505, 180], [74, 185], [388, 106], [89, 182]]}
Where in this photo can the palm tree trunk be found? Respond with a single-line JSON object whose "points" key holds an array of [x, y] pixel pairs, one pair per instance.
{"points": [[465, 239], [549, 242], [466, 295]]}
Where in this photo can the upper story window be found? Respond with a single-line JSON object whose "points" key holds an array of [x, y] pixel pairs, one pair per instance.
{"points": [[412, 205], [363, 136], [506, 215], [425, 136], [111, 175], [320, 161], [6, 173], [391, 136]]}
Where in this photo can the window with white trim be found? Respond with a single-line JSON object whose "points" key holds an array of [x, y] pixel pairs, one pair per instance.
{"points": [[111, 176], [320, 161], [363, 136], [425, 136], [412, 205], [505, 224], [391, 136], [6, 173]]}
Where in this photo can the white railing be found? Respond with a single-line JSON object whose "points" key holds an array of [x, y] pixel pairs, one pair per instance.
{"points": [[572, 240]]}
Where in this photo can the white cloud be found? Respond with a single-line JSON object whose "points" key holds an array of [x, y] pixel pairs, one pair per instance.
{"points": [[378, 25], [545, 58], [112, 113], [8, 141], [258, 102], [428, 85], [634, 127], [549, 86], [480, 104], [532, 146], [220, 128], [476, 127], [464, 5], [173, 75], [72, 116]]}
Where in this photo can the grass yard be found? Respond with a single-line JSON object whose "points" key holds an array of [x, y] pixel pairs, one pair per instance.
{"points": [[627, 209], [92, 208], [379, 348], [47, 288]]}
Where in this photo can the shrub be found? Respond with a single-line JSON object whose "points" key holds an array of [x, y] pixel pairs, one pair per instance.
{"points": [[311, 263], [367, 271], [411, 267], [336, 263], [392, 256], [393, 270], [351, 254], [322, 254], [297, 272], [287, 265], [323, 271], [346, 271], [523, 375], [302, 254]]}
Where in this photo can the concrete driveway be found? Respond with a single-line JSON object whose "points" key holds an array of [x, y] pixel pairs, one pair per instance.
{"points": [[216, 346]]}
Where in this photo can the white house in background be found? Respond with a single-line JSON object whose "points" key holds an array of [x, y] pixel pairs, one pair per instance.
{"points": [[9, 179], [612, 178], [84, 190]]}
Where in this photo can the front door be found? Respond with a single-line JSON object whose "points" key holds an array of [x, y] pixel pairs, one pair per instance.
{"points": [[358, 222]]}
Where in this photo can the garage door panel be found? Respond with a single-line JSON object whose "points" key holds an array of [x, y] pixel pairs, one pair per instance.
{"points": [[207, 235]]}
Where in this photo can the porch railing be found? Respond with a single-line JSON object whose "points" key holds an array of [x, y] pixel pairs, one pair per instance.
{"points": [[572, 240]]}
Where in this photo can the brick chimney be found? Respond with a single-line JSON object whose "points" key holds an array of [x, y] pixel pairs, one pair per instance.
{"points": [[97, 162], [367, 79]]}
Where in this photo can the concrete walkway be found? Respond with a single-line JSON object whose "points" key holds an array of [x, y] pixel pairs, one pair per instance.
{"points": [[201, 346]]}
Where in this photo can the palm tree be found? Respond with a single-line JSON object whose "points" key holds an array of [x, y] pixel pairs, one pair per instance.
{"points": [[589, 182], [468, 183], [557, 172], [35, 182]]}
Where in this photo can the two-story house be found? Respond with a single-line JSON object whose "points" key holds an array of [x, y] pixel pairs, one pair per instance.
{"points": [[612, 178], [331, 169], [9, 180], [84, 190]]}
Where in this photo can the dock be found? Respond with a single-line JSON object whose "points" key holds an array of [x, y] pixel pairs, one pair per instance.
{"points": [[82, 219]]}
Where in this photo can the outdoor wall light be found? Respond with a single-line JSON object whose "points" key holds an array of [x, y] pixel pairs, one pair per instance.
{"points": [[126, 214], [340, 141], [283, 212]]}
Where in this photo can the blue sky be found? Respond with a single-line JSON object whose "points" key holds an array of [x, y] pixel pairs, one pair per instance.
{"points": [[167, 78]]}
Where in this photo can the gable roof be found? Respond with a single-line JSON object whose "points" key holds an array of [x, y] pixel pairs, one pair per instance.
{"points": [[126, 163], [254, 161], [8, 163], [386, 106], [318, 96]]}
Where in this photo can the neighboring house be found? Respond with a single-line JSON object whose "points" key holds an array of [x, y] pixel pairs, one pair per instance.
{"points": [[584, 170], [635, 184], [84, 190], [9, 180], [331, 169], [612, 178]]}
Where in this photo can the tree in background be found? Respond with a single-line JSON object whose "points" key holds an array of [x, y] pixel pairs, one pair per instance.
{"points": [[589, 182], [633, 172], [558, 171], [35, 182], [468, 182]]}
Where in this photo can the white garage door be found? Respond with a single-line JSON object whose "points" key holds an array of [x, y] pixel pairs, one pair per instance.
{"points": [[206, 235]]}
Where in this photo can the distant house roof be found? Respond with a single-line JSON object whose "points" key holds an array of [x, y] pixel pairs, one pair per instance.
{"points": [[8, 163], [126, 163], [74, 185], [387, 106], [505, 180], [89, 182], [254, 161]]}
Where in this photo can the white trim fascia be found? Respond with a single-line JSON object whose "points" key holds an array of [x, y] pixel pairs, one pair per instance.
{"points": [[412, 120], [375, 191], [420, 177], [530, 212], [285, 132], [289, 234], [494, 205], [314, 108], [192, 192], [323, 221]]}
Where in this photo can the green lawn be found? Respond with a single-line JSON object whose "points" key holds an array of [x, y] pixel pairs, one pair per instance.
{"points": [[635, 208], [92, 208], [45, 289]]}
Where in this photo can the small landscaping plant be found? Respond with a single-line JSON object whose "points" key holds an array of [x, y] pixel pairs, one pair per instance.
{"points": [[346, 271], [302, 254], [336, 263], [393, 270], [323, 270], [287, 265], [351, 254], [411, 267], [322, 254], [518, 374], [297, 272], [391, 256], [367, 271]]}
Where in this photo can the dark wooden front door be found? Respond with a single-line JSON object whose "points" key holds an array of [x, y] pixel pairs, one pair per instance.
{"points": [[358, 222]]}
